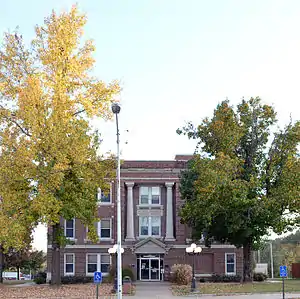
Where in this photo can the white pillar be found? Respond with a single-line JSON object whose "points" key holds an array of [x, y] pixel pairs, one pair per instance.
{"points": [[169, 220], [130, 218]]}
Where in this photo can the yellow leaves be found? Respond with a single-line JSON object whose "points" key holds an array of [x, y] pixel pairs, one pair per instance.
{"points": [[45, 132]]}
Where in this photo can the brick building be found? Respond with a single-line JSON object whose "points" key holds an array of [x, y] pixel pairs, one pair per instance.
{"points": [[152, 236]]}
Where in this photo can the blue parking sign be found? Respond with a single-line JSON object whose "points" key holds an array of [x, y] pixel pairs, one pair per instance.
{"points": [[283, 271], [97, 277]]}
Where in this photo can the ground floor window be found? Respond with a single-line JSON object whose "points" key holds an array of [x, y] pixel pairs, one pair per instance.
{"points": [[69, 264], [230, 263], [97, 262]]}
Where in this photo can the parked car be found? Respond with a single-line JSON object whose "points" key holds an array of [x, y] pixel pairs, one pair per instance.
{"points": [[12, 276]]}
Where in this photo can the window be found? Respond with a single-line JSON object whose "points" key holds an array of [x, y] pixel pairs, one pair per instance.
{"points": [[105, 263], [92, 263], [150, 226], [70, 228], [230, 263], [144, 226], [155, 225], [97, 262], [149, 195], [69, 264], [104, 229], [104, 197]]}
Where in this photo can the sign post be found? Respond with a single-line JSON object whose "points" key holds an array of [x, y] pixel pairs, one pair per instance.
{"points": [[283, 274], [97, 281]]}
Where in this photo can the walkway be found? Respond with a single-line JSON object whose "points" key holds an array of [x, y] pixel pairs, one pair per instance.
{"points": [[153, 290], [161, 290]]}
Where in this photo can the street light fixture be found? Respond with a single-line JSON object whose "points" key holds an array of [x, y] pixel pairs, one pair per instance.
{"points": [[113, 251], [116, 110], [193, 250]]}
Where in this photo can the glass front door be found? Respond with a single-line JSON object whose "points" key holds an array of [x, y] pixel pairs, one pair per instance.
{"points": [[149, 269], [154, 268], [145, 267]]}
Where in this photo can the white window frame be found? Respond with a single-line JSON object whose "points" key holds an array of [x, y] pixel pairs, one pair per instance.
{"points": [[65, 229], [149, 196], [226, 262], [99, 193], [65, 259], [98, 263], [149, 228], [99, 229]]}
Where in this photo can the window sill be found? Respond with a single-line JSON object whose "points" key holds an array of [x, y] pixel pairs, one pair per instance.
{"points": [[154, 237], [99, 241], [69, 274], [141, 205], [105, 204], [230, 274]]}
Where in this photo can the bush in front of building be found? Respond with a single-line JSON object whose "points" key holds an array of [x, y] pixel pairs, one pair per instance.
{"points": [[126, 271], [259, 276], [40, 278], [181, 274], [76, 279], [225, 278]]}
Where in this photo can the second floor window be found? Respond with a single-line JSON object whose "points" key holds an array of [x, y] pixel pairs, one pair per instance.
{"points": [[70, 228], [149, 195], [150, 226], [104, 229], [104, 197]]}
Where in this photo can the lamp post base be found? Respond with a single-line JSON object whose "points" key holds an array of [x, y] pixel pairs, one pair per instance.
{"points": [[193, 286]]}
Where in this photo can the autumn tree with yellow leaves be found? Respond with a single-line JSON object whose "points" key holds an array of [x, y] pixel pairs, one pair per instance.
{"points": [[49, 163]]}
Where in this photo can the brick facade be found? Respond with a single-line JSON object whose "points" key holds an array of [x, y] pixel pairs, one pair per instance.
{"points": [[143, 251]]}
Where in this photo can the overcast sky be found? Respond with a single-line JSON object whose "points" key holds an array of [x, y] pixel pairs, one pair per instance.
{"points": [[177, 59]]}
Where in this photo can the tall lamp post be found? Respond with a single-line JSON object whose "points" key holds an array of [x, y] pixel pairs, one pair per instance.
{"points": [[193, 250], [116, 110], [113, 251]]}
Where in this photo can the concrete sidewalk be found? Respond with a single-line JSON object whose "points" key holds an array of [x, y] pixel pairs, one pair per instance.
{"points": [[250, 296], [150, 290], [161, 290]]}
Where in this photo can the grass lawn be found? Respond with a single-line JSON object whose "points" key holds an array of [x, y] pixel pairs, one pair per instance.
{"points": [[227, 288], [75, 291], [13, 282]]}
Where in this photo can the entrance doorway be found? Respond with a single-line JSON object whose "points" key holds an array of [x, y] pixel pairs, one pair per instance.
{"points": [[150, 267]]}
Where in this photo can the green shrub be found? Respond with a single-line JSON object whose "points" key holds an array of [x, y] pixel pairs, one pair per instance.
{"points": [[181, 274], [259, 276], [126, 271], [40, 278], [76, 279], [225, 278]]}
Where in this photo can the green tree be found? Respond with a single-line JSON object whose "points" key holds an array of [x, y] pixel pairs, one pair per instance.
{"points": [[47, 98], [34, 261], [237, 187]]}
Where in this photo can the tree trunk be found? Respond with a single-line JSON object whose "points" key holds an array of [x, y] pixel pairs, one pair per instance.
{"points": [[1, 264], [247, 258], [55, 262], [18, 273]]}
